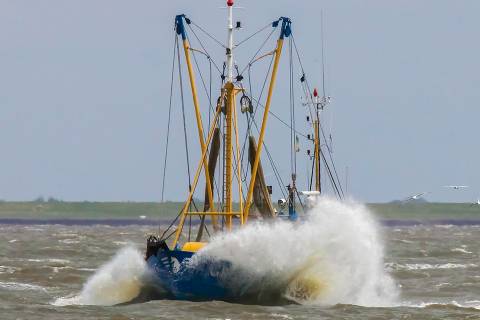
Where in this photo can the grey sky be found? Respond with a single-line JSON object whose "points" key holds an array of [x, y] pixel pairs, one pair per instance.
{"points": [[84, 93]]}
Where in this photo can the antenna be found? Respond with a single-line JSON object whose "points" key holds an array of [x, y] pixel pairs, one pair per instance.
{"points": [[323, 52], [230, 42]]}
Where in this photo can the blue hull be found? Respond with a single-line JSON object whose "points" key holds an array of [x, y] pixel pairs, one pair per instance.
{"points": [[180, 280], [210, 280]]}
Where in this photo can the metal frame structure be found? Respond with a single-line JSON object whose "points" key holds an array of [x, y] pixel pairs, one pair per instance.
{"points": [[228, 94]]}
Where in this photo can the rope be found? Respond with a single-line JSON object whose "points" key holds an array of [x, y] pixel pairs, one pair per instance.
{"points": [[303, 135], [251, 36], [183, 117], [339, 189], [207, 92], [208, 34], [170, 226], [190, 228], [332, 180], [169, 117], [300, 199], [210, 91], [276, 172], [249, 120], [308, 104], [333, 163], [204, 49], [256, 53], [203, 83]]}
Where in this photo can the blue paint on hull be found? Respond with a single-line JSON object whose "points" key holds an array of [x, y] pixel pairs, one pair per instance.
{"points": [[185, 281], [210, 279]]}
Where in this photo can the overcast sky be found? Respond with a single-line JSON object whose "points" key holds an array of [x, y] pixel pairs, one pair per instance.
{"points": [[84, 89]]}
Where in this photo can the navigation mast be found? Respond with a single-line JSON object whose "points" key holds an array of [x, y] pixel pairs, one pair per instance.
{"points": [[230, 88]]}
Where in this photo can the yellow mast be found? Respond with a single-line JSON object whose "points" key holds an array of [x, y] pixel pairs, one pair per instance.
{"points": [[248, 202], [318, 104], [186, 47], [317, 154], [228, 151], [229, 121], [195, 181], [230, 126], [239, 162]]}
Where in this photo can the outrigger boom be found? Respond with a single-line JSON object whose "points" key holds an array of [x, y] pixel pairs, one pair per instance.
{"points": [[229, 91]]}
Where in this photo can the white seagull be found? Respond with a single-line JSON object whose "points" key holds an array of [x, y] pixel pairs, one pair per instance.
{"points": [[416, 196], [456, 187]]}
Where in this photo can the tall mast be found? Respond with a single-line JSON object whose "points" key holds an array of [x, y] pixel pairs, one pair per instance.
{"points": [[230, 88], [230, 41], [316, 136]]}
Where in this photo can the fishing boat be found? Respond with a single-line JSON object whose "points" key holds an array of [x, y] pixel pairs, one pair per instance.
{"points": [[236, 192]]}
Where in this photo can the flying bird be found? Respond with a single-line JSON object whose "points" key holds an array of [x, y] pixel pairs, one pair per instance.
{"points": [[456, 187], [415, 196]]}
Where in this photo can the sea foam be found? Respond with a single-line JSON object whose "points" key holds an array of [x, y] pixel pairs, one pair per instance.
{"points": [[118, 281], [334, 256]]}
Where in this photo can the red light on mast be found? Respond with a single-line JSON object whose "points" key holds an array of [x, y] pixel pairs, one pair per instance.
{"points": [[315, 93], [229, 3]]}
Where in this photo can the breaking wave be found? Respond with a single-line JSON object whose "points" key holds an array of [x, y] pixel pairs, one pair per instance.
{"points": [[118, 281], [427, 266], [472, 304], [334, 256], [16, 286]]}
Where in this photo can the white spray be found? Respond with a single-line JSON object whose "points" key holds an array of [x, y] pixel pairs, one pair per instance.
{"points": [[335, 256], [118, 281]]}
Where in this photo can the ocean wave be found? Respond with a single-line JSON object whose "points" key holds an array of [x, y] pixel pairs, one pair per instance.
{"points": [[117, 281], [69, 241], [462, 250], [474, 304], [17, 286], [335, 256], [426, 266], [52, 262], [8, 269]]}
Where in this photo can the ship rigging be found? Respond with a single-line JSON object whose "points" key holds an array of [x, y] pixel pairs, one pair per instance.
{"points": [[230, 165]]}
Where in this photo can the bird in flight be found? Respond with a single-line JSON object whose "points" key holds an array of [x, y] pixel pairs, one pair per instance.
{"points": [[415, 196], [456, 187]]}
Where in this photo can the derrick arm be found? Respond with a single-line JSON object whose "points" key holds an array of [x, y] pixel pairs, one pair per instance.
{"points": [[180, 29], [285, 32], [184, 212]]}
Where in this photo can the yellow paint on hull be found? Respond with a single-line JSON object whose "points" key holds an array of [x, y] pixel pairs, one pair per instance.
{"points": [[193, 246]]}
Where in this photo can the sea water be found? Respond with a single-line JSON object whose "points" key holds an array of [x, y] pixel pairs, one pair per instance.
{"points": [[339, 264]]}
